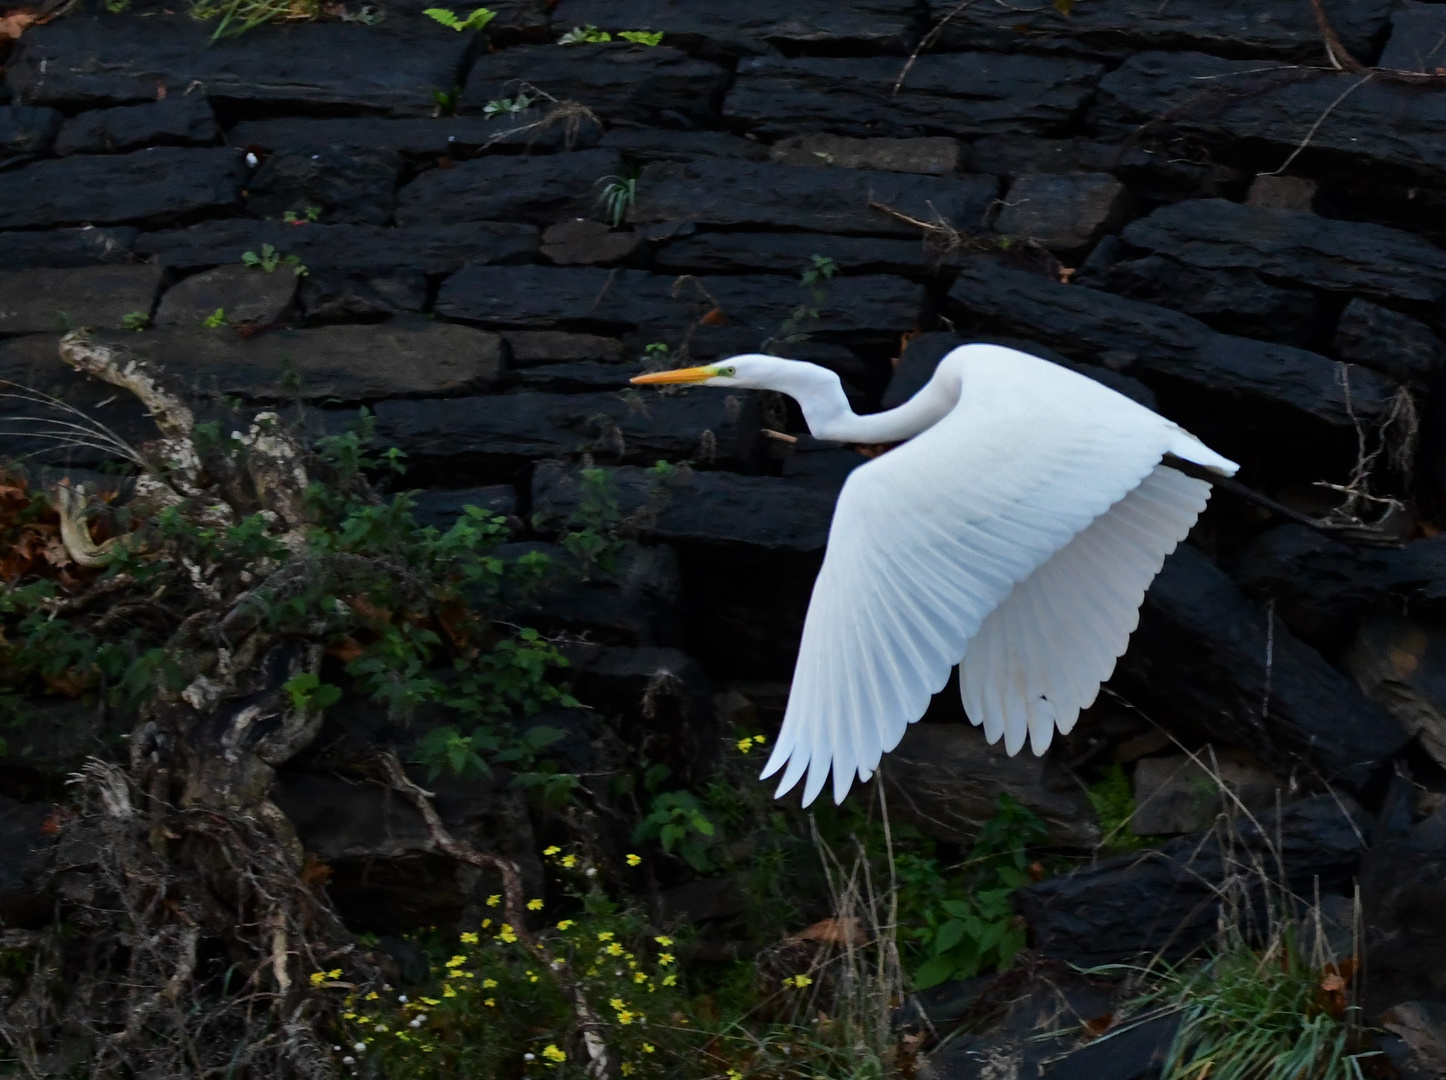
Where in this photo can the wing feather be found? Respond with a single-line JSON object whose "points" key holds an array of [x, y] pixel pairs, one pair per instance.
{"points": [[1064, 627], [931, 538]]}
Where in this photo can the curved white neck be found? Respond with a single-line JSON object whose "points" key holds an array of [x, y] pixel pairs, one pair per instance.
{"points": [[829, 415]]}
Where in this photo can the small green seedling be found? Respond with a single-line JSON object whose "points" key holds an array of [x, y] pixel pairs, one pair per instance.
{"points": [[642, 37], [447, 100], [270, 259], [617, 197], [308, 692], [215, 320], [309, 215], [820, 268], [505, 106], [476, 21], [136, 320], [584, 35]]}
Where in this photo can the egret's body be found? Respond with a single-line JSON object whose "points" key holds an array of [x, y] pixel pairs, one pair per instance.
{"points": [[1014, 534]]}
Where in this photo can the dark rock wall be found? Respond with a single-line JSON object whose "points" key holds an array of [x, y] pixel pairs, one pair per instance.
{"points": [[1184, 201]]}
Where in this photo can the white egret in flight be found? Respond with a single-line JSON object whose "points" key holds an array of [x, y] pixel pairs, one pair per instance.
{"points": [[1014, 534]]}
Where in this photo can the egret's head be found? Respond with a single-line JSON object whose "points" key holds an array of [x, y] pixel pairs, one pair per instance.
{"points": [[752, 372]]}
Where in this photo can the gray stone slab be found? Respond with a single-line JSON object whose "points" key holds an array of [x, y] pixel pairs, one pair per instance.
{"points": [[46, 301], [177, 120], [537, 190], [241, 294], [1062, 212]]}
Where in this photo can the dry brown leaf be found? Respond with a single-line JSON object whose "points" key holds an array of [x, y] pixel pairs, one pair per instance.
{"points": [[834, 932], [13, 25], [714, 318]]}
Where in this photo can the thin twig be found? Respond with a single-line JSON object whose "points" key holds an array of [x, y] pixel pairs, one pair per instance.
{"points": [[927, 41]]}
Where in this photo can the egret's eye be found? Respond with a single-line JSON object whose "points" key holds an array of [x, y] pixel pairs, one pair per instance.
{"points": [[727, 372]]}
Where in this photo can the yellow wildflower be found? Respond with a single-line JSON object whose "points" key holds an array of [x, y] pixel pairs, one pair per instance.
{"points": [[734, 1074], [634, 860], [744, 745], [469, 938], [625, 1017], [663, 940], [605, 935], [670, 980], [488, 984], [665, 958], [648, 1048], [486, 923], [372, 996], [334, 973], [800, 981], [317, 978], [532, 978], [614, 949], [429, 1001], [618, 1003], [491, 1003], [447, 990], [456, 961], [565, 924], [640, 977], [759, 739], [550, 851], [534, 905], [494, 900], [552, 1053], [506, 934], [569, 861], [627, 1068]]}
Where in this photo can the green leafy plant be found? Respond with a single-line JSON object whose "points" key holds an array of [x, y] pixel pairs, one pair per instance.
{"points": [[617, 196], [215, 320], [476, 21], [270, 259], [642, 37], [135, 320], [238, 16], [962, 924], [306, 216], [307, 691], [1114, 801], [676, 820], [506, 106], [447, 100], [584, 35]]}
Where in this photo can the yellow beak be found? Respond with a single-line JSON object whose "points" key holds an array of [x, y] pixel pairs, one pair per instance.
{"points": [[679, 375]]}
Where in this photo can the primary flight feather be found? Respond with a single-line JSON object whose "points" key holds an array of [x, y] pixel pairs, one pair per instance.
{"points": [[1014, 534]]}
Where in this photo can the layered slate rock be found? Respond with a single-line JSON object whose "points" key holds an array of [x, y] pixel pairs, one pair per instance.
{"points": [[431, 137], [1343, 256], [89, 61], [1167, 900], [1418, 39], [348, 186], [1062, 212], [764, 512], [236, 294], [789, 253], [540, 296], [425, 249], [329, 364], [68, 247], [1381, 122], [1146, 340], [1232, 300], [759, 195], [618, 81], [932, 156], [46, 301], [538, 190], [537, 425], [181, 120], [651, 144], [1229, 27], [753, 25], [946, 780], [27, 130], [1198, 626], [156, 184], [944, 94], [1403, 347]]}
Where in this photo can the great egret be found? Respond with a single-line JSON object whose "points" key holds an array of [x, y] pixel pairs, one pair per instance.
{"points": [[1014, 534]]}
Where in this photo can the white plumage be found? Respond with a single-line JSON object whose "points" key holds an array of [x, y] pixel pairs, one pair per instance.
{"points": [[1013, 534]]}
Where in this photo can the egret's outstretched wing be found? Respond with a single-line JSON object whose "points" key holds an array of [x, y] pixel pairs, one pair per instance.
{"points": [[1041, 655], [930, 538]]}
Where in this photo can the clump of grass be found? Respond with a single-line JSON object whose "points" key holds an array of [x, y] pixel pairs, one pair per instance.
{"points": [[238, 16]]}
